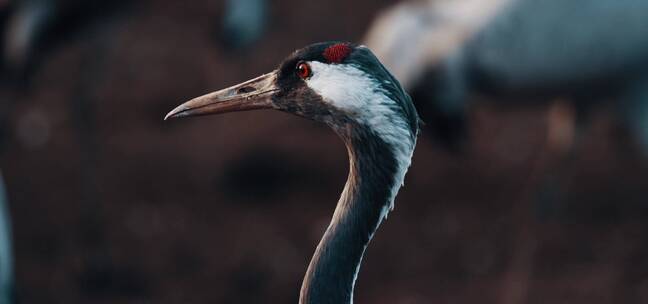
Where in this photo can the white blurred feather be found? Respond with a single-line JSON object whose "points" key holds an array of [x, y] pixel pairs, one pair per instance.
{"points": [[411, 36]]}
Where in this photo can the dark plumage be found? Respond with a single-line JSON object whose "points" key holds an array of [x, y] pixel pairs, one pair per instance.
{"points": [[294, 95]]}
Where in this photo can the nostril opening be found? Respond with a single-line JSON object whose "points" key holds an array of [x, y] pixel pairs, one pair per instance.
{"points": [[244, 90]]}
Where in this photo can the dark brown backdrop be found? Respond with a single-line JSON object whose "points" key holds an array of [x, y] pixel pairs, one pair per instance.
{"points": [[112, 205]]}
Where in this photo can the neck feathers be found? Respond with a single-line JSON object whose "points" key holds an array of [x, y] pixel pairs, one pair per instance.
{"points": [[375, 175]]}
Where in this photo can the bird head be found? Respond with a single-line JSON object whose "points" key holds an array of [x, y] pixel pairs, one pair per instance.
{"points": [[340, 84]]}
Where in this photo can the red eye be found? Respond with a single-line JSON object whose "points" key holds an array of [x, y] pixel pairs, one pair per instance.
{"points": [[303, 70]]}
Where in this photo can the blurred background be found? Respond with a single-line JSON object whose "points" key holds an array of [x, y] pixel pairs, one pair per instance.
{"points": [[110, 204]]}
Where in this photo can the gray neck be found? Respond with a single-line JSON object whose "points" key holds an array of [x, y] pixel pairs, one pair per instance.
{"points": [[332, 271]]}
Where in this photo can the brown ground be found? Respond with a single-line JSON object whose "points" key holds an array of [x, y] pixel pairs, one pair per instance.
{"points": [[131, 209]]}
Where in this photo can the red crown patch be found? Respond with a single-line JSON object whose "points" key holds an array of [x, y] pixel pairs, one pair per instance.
{"points": [[337, 53]]}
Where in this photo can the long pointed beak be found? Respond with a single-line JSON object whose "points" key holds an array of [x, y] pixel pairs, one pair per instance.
{"points": [[250, 95]]}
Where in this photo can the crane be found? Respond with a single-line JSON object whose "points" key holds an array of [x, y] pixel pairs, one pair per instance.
{"points": [[344, 86]]}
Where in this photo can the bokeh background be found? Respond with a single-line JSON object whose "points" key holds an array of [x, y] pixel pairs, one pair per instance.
{"points": [[110, 204]]}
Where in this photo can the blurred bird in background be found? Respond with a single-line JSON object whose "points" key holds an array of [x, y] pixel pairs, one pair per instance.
{"points": [[520, 53], [572, 57], [30, 30], [33, 27]]}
